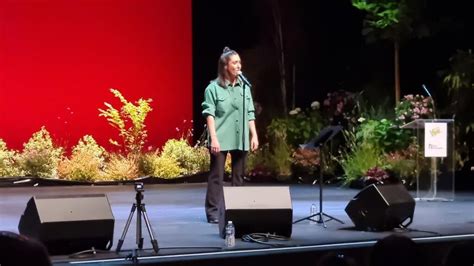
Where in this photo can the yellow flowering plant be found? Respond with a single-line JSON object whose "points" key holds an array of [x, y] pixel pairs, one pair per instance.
{"points": [[86, 163], [40, 157], [8, 166], [129, 120]]}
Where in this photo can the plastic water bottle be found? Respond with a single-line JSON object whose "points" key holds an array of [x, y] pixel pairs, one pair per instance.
{"points": [[312, 211], [229, 235]]}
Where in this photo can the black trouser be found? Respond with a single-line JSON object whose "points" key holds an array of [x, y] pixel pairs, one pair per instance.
{"points": [[215, 181]]}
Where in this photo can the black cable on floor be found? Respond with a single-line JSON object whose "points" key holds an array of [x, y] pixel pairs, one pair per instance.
{"points": [[265, 239], [409, 230], [92, 252], [197, 247], [87, 253]]}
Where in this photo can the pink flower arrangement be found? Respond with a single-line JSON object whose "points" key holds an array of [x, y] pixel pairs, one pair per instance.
{"points": [[413, 107]]}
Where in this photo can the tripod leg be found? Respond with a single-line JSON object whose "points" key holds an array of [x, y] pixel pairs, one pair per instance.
{"points": [[332, 218], [306, 218], [321, 181], [320, 219], [139, 227], [124, 233], [154, 242], [321, 214]]}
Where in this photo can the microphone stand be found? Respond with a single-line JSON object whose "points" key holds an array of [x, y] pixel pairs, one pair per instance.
{"points": [[434, 162], [245, 83], [432, 100], [243, 129]]}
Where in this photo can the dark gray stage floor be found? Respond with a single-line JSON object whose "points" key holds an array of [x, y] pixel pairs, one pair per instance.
{"points": [[177, 216]]}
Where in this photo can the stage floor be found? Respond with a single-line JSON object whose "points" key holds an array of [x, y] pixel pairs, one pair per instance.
{"points": [[177, 216]]}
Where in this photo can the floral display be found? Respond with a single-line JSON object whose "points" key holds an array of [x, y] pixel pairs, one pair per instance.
{"points": [[413, 107]]}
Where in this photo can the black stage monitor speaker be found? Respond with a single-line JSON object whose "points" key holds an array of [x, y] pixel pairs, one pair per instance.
{"points": [[382, 207], [257, 210], [68, 224]]}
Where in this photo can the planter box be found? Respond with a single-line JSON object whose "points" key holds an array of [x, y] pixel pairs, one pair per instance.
{"points": [[27, 181]]}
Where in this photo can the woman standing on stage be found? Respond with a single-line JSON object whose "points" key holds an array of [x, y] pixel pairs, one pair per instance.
{"points": [[223, 109]]}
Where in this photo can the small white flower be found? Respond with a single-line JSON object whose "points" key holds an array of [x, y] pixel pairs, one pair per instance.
{"points": [[293, 112], [315, 105], [297, 109], [361, 119]]}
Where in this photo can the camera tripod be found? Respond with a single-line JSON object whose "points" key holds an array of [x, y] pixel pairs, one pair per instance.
{"points": [[326, 134], [141, 211]]}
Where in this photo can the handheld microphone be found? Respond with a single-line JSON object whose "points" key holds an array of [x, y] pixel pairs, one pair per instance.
{"points": [[244, 79]]}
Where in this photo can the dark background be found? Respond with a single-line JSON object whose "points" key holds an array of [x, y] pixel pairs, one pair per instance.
{"points": [[323, 41]]}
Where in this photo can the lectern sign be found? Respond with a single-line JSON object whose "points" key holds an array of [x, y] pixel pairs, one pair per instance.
{"points": [[436, 140]]}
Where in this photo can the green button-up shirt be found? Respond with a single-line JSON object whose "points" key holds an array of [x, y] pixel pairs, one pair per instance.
{"points": [[225, 105]]}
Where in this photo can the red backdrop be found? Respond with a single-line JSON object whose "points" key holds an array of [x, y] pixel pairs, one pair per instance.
{"points": [[59, 58]]}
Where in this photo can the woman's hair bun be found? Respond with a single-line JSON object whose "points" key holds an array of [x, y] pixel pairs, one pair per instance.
{"points": [[226, 49]]}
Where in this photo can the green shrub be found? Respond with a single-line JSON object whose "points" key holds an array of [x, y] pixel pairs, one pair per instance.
{"points": [[376, 108], [8, 165], [358, 161], [460, 74], [119, 167], [39, 156], [228, 164], [146, 163], [201, 158], [166, 167], [257, 161], [279, 157], [191, 160], [299, 127], [176, 159], [159, 166], [403, 163], [357, 158], [86, 163], [383, 134]]}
